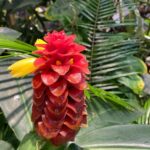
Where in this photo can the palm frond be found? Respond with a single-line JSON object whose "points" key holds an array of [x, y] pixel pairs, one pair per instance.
{"points": [[110, 48]]}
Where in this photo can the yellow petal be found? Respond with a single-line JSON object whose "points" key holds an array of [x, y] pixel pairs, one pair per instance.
{"points": [[23, 71], [38, 42], [21, 63], [23, 67]]}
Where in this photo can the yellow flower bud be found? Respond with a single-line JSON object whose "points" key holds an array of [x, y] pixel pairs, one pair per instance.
{"points": [[23, 67]]}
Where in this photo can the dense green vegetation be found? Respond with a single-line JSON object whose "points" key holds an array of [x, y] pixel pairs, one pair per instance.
{"points": [[116, 34]]}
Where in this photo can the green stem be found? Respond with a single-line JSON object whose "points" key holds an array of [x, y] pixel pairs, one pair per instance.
{"points": [[93, 40]]}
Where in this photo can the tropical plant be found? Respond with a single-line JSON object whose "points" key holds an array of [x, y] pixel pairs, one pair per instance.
{"points": [[112, 33]]}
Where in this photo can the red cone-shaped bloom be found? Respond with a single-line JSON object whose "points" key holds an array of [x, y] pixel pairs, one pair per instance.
{"points": [[59, 108]]}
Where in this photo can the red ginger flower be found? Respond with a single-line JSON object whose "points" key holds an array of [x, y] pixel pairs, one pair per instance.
{"points": [[59, 108]]}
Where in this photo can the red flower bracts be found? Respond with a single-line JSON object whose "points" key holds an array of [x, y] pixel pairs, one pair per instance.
{"points": [[59, 108]]}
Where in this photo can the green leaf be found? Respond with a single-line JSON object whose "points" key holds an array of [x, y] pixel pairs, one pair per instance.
{"points": [[145, 119], [30, 142], [15, 100], [106, 116], [73, 146], [137, 65], [33, 142], [16, 48], [16, 45], [134, 82], [5, 146], [87, 94], [103, 115], [107, 96], [49, 146], [63, 9], [7, 33], [126, 136], [6, 132], [110, 54]]}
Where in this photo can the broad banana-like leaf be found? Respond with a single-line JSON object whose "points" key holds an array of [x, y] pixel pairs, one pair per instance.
{"points": [[126, 136], [15, 100]]}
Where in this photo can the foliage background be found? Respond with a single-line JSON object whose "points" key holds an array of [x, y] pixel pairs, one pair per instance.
{"points": [[116, 34]]}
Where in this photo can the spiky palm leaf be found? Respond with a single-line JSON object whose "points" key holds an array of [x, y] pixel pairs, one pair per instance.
{"points": [[111, 53]]}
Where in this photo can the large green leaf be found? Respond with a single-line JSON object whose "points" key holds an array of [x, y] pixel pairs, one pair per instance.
{"points": [[103, 114], [5, 146], [128, 136], [15, 100], [106, 116]]}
